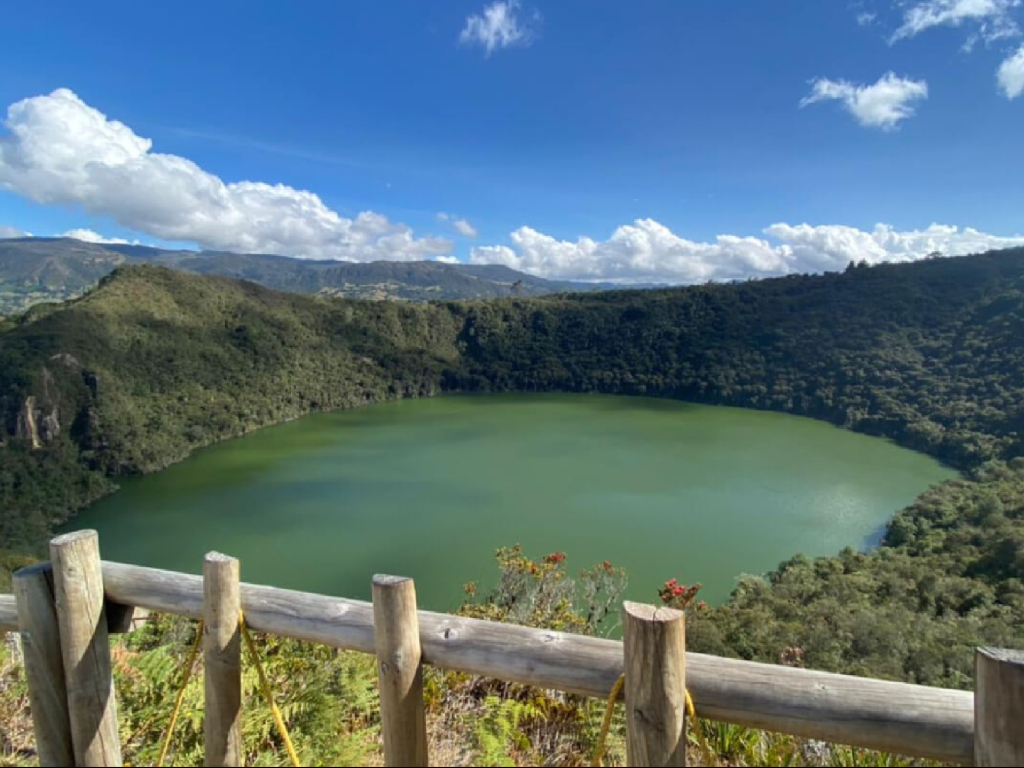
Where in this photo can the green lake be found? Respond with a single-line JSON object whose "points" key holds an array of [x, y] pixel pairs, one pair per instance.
{"points": [[429, 489]]}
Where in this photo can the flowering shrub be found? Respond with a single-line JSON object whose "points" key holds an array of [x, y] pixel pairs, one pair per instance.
{"points": [[676, 595], [542, 593]]}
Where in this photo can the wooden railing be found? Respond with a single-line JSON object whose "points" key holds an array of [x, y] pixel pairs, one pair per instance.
{"points": [[64, 611]]}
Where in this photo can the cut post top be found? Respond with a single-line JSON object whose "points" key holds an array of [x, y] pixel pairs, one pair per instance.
{"points": [[645, 612]]}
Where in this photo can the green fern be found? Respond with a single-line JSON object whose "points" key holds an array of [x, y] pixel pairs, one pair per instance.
{"points": [[497, 734]]}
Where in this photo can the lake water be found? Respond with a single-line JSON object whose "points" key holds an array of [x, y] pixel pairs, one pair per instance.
{"points": [[429, 488]]}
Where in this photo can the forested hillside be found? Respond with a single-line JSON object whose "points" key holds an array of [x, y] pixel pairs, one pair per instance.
{"points": [[154, 363], [929, 354]]}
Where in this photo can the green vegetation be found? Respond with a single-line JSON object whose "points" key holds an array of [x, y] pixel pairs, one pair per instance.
{"points": [[948, 577], [155, 363]]}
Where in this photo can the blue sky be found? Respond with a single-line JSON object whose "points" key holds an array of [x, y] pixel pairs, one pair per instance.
{"points": [[590, 140]]}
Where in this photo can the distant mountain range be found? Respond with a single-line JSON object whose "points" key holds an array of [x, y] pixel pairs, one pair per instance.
{"points": [[38, 269]]}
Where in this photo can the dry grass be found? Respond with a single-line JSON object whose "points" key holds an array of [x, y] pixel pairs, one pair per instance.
{"points": [[17, 743]]}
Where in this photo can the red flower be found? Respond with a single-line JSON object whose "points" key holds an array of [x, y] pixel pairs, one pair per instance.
{"points": [[554, 558]]}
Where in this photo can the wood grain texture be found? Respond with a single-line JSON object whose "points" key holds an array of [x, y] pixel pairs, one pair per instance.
{"points": [[44, 665], [654, 656], [222, 661], [909, 719], [85, 648], [998, 707], [400, 673]]}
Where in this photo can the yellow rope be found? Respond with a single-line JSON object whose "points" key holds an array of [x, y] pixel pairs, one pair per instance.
{"points": [[186, 675], [265, 688], [701, 741], [606, 724]]}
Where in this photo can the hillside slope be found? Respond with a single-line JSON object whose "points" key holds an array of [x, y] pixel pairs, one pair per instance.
{"points": [[155, 363], [36, 269]]}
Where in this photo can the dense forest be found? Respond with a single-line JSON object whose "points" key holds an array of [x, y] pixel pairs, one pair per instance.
{"points": [[154, 363]]}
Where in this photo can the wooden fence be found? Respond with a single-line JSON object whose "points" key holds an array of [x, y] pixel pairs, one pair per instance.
{"points": [[65, 609]]}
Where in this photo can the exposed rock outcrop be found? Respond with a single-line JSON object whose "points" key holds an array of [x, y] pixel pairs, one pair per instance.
{"points": [[26, 426], [67, 360], [49, 426]]}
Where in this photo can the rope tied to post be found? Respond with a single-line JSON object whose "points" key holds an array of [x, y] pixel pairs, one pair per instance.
{"points": [[606, 724], [265, 688], [186, 676]]}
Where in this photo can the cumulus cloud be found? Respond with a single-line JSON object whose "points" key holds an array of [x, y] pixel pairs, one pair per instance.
{"points": [[498, 26], [7, 232], [460, 225], [992, 19], [647, 251], [1011, 75], [882, 105], [447, 259], [60, 150], [91, 236]]}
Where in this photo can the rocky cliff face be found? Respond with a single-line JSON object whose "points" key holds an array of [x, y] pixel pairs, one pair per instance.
{"points": [[25, 427], [36, 418]]}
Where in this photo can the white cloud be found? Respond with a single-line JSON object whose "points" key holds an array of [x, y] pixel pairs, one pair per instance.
{"points": [[882, 105], [464, 228], [498, 26], [447, 259], [649, 251], [460, 225], [59, 150], [1011, 75], [7, 231], [865, 18], [91, 236], [992, 18]]}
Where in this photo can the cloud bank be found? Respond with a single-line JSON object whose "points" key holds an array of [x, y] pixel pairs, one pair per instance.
{"points": [[92, 236], [647, 251], [59, 150], [8, 232], [882, 105]]}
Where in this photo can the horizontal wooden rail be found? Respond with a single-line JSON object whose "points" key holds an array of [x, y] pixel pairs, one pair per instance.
{"points": [[8, 614], [909, 719]]}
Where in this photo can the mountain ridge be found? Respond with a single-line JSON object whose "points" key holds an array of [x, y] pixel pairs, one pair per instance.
{"points": [[36, 269]]}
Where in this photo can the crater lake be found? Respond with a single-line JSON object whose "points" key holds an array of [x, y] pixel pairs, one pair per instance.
{"points": [[430, 488]]}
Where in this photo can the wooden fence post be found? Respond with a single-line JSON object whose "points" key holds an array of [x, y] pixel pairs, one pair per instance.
{"points": [[85, 648], [44, 667], [396, 634], [654, 650], [222, 659], [998, 707]]}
